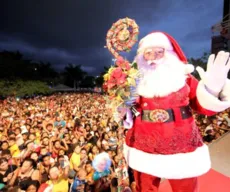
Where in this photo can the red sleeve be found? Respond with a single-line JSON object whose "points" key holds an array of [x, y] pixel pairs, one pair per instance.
{"points": [[194, 103]]}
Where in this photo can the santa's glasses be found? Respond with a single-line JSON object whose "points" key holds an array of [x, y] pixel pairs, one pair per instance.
{"points": [[154, 53]]}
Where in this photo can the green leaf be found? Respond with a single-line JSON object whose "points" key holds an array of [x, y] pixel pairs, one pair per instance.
{"points": [[21, 88], [134, 65]]}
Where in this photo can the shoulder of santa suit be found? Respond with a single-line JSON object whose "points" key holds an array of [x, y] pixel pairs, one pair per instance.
{"points": [[190, 79]]}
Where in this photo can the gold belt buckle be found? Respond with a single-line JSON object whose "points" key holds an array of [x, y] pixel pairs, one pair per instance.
{"points": [[159, 115]]}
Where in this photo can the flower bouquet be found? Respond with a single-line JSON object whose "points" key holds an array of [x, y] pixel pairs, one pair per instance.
{"points": [[121, 80], [120, 83]]}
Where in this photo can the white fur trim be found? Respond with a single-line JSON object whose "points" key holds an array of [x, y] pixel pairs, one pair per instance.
{"points": [[176, 166], [210, 102], [189, 68], [155, 40]]}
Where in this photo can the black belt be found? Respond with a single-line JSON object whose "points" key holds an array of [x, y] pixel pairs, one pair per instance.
{"points": [[165, 115]]}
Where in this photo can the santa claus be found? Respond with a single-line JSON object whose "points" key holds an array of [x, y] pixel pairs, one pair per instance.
{"points": [[164, 141]]}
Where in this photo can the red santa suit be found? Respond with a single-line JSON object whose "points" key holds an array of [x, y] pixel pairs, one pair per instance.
{"points": [[164, 141]]}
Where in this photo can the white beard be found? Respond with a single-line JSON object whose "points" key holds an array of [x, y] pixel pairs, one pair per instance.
{"points": [[169, 76]]}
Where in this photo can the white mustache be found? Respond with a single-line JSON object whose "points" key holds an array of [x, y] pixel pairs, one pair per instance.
{"points": [[149, 62], [158, 61]]}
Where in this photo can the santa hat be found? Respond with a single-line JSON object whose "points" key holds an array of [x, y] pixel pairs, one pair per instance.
{"points": [[161, 39]]}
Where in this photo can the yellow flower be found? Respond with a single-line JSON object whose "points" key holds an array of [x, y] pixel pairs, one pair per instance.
{"points": [[111, 70], [106, 77], [132, 72], [119, 98], [131, 81]]}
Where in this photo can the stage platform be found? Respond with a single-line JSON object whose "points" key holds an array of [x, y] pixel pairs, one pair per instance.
{"points": [[220, 155], [218, 178]]}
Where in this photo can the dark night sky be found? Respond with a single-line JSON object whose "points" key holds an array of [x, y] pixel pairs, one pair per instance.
{"points": [[73, 31]]}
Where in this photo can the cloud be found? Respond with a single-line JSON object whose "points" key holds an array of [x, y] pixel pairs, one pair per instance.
{"points": [[74, 31], [35, 52]]}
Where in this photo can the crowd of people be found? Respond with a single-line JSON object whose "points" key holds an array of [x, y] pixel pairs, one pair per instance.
{"points": [[50, 143], [213, 127]]}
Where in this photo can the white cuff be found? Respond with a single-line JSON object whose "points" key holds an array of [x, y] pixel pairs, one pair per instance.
{"points": [[128, 125], [210, 102], [225, 93]]}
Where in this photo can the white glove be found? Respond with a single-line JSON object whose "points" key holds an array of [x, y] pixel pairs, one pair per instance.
{"points": [[128, 122], [217, 71]]}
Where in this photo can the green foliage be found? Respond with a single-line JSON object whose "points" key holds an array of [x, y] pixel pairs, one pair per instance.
{"points": [[202, 62], [89, 81], [134, 65], [21, 77], [22, 88], [99, 81], [13, 66], [74, 75], [34, 76]]}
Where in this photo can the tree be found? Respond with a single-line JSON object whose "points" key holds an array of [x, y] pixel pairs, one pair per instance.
{"points": [[202, 62], [46, 70], [99, 80], [89, 81], [13, 66], [22, 88], [75, 74]]}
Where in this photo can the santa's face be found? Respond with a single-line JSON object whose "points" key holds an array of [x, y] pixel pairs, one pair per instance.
{"points": [[163, 72], [153, 55]]}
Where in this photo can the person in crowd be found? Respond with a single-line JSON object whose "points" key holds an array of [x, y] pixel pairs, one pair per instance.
{"points": [[47, 145], [58, 178]]}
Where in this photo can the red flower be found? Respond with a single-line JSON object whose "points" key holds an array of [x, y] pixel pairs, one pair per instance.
{"points": [[124, 64], [120, 59], [117, 77], [111, 83], [105, 86]]}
